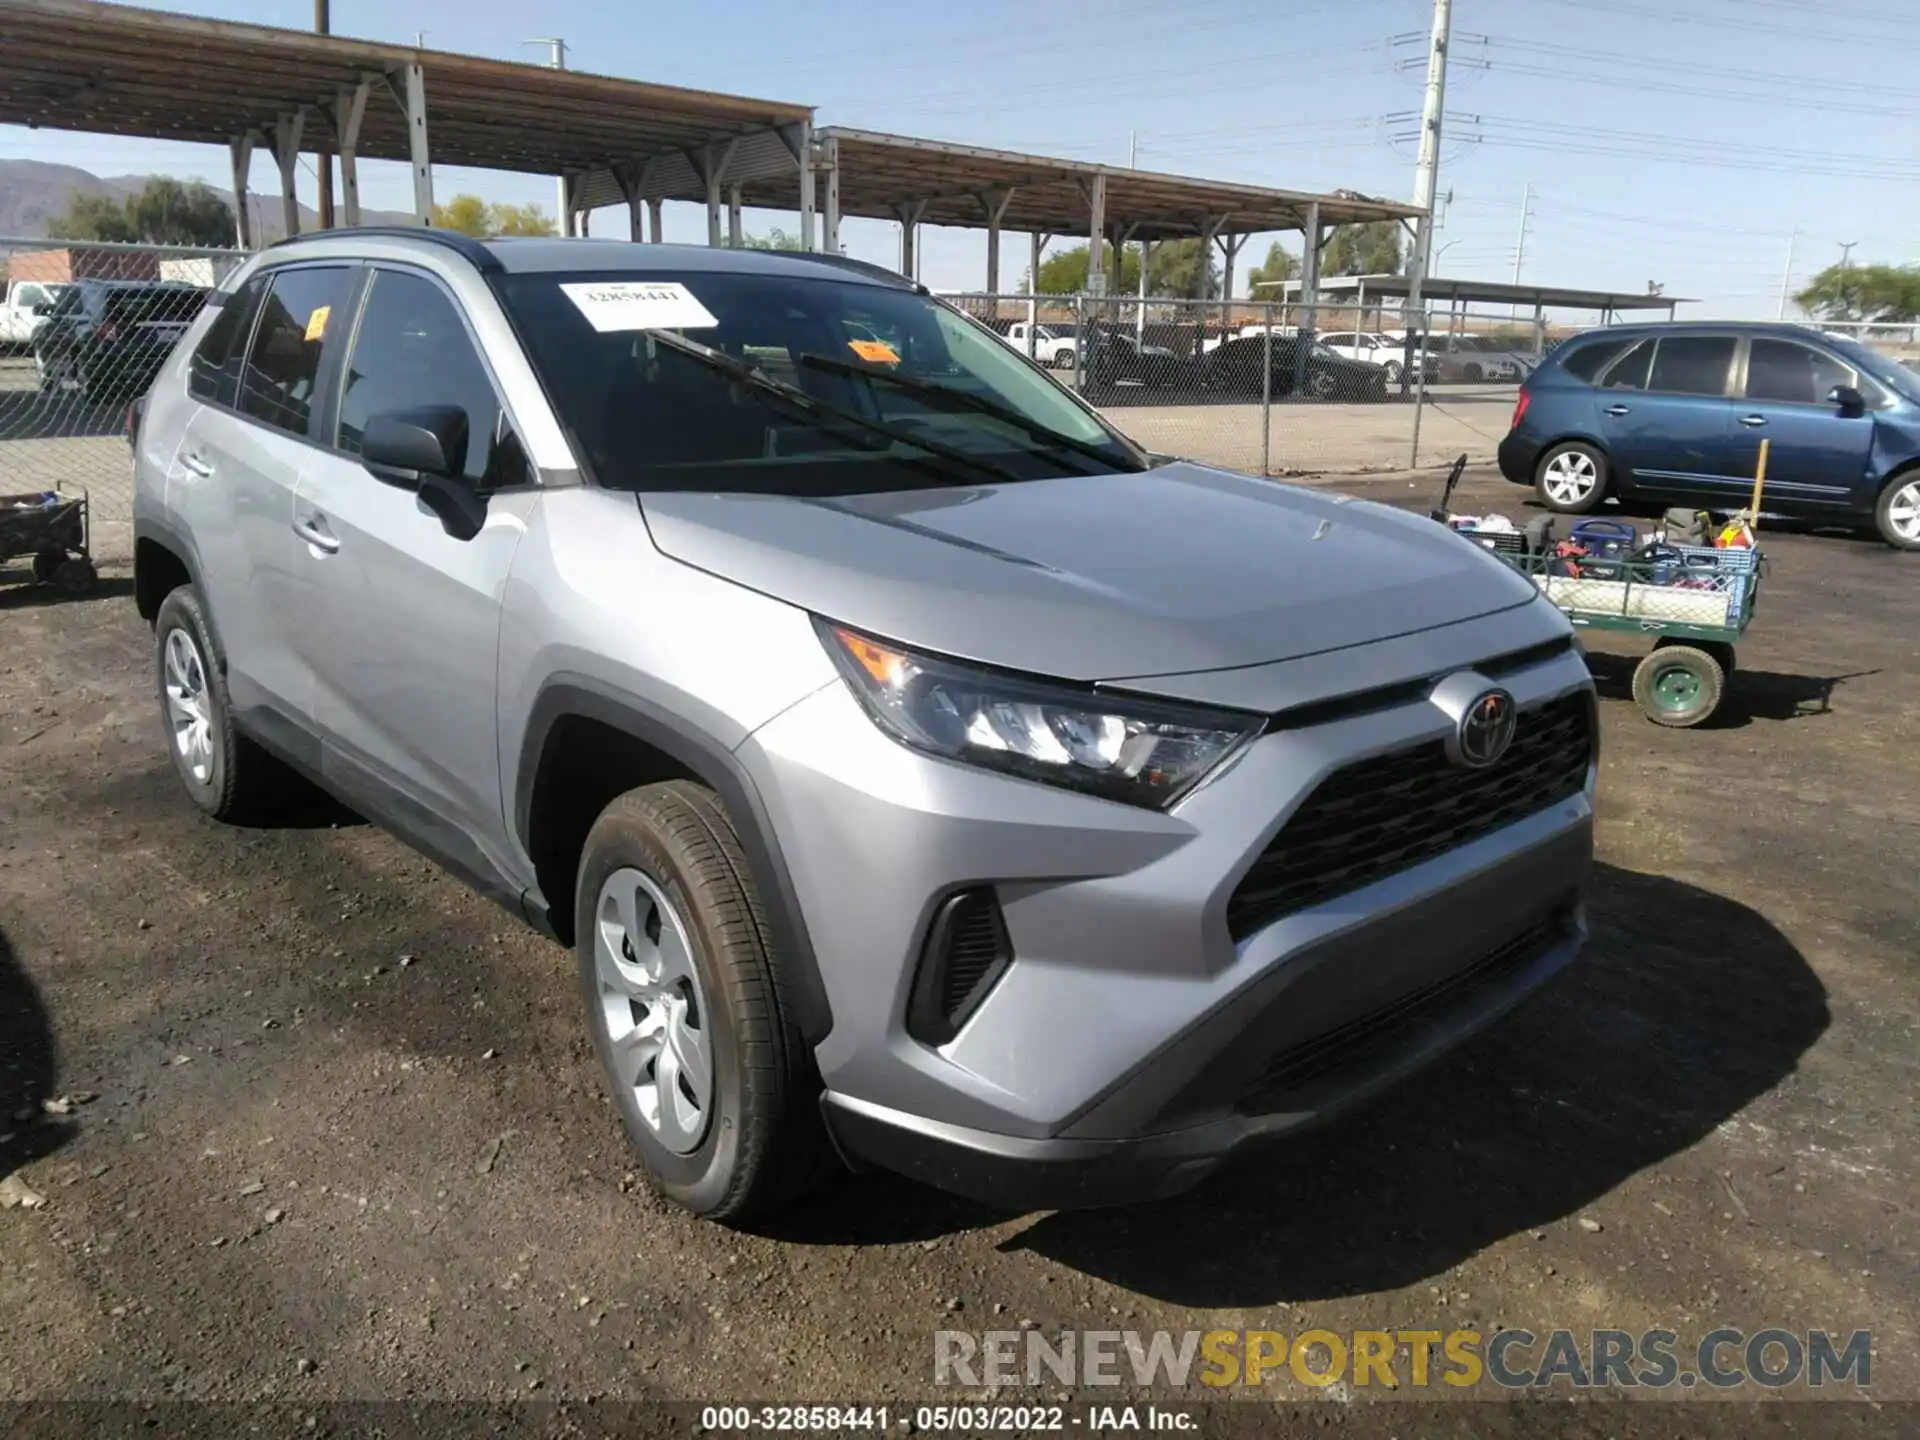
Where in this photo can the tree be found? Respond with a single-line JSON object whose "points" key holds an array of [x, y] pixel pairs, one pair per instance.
{"points": [[1863, 292], [164, 211], [1174, 269], [774, 239], [1370, 249], [1280, 265], [471, 215]]}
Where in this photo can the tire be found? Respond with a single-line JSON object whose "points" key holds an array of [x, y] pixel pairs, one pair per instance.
{"points": [[227, 776], [720, 1100], [1063, 360], [1571, 478], [76, 577], [1323, 384], [1471, 374], [1897, 516], [46, 564], [1678, 686], [1394, 372]]}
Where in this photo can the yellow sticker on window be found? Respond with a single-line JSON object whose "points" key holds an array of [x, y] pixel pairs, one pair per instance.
{"points": [[317, 321], [875, 352]]}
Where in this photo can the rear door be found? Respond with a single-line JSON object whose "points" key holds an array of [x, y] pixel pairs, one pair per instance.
{"points": [[236, 472], [1818, 456], [405, 625], [1665, 414]]}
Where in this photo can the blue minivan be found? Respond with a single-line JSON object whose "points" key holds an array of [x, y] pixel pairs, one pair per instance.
{"points": [[1675, 413]]}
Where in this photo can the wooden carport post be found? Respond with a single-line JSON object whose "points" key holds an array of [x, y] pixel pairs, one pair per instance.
{"points": [[350, 108], [995, 203], [240, 151], [286, 153]]}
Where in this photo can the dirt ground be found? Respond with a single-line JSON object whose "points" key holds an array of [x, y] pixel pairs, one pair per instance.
{"points": [[332, 1129]]}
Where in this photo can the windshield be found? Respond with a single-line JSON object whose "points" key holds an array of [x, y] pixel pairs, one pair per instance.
{"points": [[647, 415]]}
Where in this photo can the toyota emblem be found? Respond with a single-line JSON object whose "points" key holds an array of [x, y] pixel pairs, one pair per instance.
{"points": [[1486, 729]]}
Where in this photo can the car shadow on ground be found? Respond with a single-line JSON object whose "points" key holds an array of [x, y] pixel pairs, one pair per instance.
{"points": [[29, 1068], [59, 415], [19, 592], [1750, 694], [1685, 1008]]}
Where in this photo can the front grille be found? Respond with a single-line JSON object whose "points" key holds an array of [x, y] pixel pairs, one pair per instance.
{"points": [[1362, 1040], [1389, 813]]}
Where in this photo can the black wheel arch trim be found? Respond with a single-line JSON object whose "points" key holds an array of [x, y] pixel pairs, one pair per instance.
{"points": [[177, 544], [567, 696]]}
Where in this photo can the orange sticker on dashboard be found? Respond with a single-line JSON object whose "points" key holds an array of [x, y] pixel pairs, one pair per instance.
{"points": [[875, 352], [317, 321]]}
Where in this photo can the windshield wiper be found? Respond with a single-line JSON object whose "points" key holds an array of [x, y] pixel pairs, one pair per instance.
{"points": [[799, 399], [1045, 434]]}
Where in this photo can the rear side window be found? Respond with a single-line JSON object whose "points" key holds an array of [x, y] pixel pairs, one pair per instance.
{"points": [[303, 308], [1586, 361], [1692, 364], [213, 374], [1629, 372]]}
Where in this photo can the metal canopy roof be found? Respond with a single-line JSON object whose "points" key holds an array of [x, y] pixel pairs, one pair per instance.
{"points": [[1490, 292], [879, 174], [118, 70]]}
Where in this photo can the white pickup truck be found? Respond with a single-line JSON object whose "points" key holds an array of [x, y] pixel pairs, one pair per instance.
{"points": [[1050, 347], [24, 311]]}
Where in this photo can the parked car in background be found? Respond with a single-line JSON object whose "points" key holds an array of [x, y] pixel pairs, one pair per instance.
{"points": [[919, 774], [1053, 345], [1299, 367], [109, 338], [24, 311], [1387, 351], [1676, 413], [1474, 358], [1117, 365]]}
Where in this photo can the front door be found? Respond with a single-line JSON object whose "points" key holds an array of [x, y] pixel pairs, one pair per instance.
{"points": [[1665, 416], [1818, 454], [406, 652]]}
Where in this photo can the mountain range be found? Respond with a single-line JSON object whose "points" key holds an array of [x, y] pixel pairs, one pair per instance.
{"points": [[34, 193]]}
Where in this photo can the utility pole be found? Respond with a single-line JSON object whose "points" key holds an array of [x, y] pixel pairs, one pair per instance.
{"points": [[1140, 312], [323, 195], [1427, 179], [1786, 273], [562, 213], [1846, 253], [1520, 245]]}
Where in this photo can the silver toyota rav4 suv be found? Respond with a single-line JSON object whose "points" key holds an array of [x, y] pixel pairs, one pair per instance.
{"points": [[924, 776]]}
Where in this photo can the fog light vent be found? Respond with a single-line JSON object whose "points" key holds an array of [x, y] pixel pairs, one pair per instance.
{"points": [[966, 953]]}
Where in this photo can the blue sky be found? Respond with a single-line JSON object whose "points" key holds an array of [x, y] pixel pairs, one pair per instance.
{"points": [[1681, 141]]}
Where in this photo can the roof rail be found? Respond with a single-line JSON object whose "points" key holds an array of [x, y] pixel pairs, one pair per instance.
{"points": [[859, 267], [470, 249]]}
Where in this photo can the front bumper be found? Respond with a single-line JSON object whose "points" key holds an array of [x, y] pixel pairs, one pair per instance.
{"points": [[1134, 1043]]}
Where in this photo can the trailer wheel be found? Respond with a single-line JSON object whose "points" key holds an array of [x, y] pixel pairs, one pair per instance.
{"points": [[46, 564], [1678, 686]]}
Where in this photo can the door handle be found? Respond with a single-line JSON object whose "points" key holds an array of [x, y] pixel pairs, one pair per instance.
{"points": [[1753, 422], [1618, 409], [194, 465], [313, 529]]}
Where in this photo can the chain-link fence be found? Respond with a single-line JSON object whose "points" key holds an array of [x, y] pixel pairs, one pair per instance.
{"points": [[83, 330], [1267, 388]]}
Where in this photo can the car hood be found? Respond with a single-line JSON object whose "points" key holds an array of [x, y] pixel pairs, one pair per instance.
{"points": [[1177, 569]]}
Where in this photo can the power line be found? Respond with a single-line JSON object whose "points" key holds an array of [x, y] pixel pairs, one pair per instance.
{"points": [[1803, 34]]}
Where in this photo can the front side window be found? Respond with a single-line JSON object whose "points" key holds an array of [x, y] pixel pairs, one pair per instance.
{"points": [[1692, 364], [413, 350], [878, 369], [213, 374], [303, 309], [1793, 374]]}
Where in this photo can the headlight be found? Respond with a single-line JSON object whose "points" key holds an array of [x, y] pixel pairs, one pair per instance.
{"points": [[1141, 752]]}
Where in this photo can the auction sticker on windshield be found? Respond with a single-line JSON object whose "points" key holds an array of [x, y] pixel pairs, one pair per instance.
{"points": [[612, 305]]}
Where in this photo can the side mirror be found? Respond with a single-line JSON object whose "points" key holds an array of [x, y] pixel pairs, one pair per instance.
{"points": [[1847, 400], [424, 450]]}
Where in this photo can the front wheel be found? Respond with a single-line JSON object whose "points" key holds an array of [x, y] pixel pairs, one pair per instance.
{"points": [[1571, 478], [1678, 686], [1897, 516], [690, 1016], [1394, 371]]}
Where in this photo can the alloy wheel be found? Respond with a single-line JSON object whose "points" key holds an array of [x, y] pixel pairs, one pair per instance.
{"points": [[1569, 477], [1903, 512], [189, 708]]}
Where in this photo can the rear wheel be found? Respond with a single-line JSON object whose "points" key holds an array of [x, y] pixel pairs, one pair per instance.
{"points": [[1394, 372], [1678, 686], [224, 774], [689, 1013], [1571, 478], [1897, 516], [1470, 373]]}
